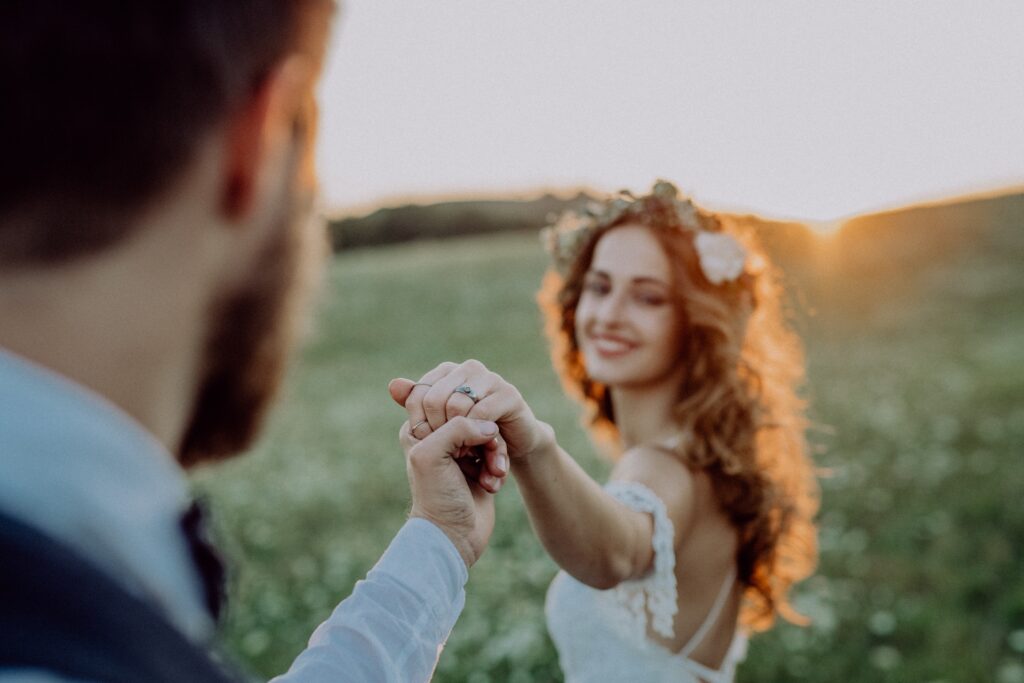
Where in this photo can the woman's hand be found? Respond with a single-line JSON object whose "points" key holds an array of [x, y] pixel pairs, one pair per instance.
{"points": [[471, 390]]}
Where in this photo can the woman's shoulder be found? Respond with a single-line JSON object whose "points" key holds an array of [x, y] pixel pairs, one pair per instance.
{"points": [[661, 472]]}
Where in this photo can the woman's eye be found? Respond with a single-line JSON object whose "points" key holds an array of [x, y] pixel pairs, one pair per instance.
{"points": [[596, 287], [649, 299]]}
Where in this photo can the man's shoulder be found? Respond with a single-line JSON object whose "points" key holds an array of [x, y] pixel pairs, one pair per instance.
{"points": [[61, 614]]}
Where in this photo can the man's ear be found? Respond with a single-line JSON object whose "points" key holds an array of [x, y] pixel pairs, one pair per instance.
{"points": [[259, 130]]}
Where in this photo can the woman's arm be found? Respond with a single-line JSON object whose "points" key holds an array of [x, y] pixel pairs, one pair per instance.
{"points": [[590, 534], [593, 537]]}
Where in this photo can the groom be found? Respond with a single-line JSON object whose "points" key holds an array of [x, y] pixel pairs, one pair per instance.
{"points": [[156, 254]]}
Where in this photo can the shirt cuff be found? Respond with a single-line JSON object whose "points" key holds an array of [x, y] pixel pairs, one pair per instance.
{"points": [[422, 557]]}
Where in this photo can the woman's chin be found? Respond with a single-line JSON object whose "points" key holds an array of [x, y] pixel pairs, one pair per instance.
{"points": [[626, 370], [624, 377], [609, 376]]}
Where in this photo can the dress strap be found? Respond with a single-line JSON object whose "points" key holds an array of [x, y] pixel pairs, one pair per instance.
{"points": [[657, 590], [713, 614]]}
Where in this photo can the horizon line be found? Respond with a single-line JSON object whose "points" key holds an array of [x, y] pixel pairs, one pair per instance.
{"points": [[564, 193]]}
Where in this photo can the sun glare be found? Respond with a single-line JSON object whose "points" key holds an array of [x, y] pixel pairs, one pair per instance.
{"points": [[825, 228]]}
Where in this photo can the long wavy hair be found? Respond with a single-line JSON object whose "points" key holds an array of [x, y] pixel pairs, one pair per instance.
{"points": [[739, 410]]}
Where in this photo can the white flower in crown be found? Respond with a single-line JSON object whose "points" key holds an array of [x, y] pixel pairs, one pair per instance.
{"points": [[721, 257]]}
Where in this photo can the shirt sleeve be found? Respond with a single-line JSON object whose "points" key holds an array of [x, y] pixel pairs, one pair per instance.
{"points": [[396, 621]]}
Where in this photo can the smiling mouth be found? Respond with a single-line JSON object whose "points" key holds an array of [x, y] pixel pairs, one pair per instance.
{"points": [[610, 347]]}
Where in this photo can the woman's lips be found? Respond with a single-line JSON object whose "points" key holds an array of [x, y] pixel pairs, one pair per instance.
{"points": [[611, 347]]}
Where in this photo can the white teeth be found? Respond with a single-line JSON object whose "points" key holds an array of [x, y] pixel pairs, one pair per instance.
{"points": [[611, 345]]}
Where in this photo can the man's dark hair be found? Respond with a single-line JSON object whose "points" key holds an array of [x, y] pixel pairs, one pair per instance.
{"points": [[102, 105]]}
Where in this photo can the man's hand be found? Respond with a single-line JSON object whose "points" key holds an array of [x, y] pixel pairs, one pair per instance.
{"points": [[442, 493], [471, 390]]}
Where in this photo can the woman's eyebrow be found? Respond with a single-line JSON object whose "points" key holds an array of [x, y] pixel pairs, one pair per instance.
{"points": [[638, 280], [649, 281]]}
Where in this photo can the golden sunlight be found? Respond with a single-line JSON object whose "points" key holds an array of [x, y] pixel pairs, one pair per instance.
{"points": [[825, 228]]}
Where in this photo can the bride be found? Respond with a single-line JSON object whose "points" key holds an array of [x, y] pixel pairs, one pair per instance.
{"points": [[666, 325]]}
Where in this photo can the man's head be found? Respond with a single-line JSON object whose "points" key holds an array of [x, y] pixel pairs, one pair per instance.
{"points": [[117, 112], [105, 103]]}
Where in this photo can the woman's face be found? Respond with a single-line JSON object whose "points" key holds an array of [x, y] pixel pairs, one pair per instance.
{"points": [[626, 325]]}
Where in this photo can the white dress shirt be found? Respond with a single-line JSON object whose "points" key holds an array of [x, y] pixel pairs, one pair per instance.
{"points": [[76, 467]]}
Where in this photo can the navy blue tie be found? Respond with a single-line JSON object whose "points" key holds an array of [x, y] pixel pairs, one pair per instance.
{"points": [[206, 558]]}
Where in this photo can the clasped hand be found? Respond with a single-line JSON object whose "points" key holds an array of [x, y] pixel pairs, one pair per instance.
{"points": [[465, 427]]}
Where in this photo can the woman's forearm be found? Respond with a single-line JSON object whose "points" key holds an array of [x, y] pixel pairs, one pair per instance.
{"points": [[588, 533]]}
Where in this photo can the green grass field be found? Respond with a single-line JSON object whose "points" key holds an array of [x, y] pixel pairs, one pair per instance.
{"points": [[916, 383]]}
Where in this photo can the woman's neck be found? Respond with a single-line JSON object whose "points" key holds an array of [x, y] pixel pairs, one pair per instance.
{"points": [[644, 413]]}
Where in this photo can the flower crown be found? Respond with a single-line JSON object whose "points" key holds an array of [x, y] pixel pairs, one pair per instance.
{"points": [[722, 258]]}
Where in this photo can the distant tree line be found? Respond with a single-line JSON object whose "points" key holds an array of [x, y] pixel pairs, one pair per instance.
{"points": [[444, 220]]}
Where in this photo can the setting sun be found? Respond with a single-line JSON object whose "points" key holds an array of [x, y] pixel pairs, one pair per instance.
{"points": [[825, 228]]}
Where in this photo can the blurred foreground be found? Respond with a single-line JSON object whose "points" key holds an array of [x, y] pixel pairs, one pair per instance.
{"points": [[914, 327]]}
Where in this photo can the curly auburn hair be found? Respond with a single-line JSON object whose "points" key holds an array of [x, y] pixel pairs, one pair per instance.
{"points": [[739, 410]]}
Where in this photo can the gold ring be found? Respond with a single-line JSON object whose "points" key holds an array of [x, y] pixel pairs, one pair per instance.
{"points": [[415, 427]]}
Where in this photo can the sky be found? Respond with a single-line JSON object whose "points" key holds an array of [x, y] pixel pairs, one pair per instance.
{"points": [[808, 110]]}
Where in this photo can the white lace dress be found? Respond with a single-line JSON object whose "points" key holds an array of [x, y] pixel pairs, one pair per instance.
{"points": [[601, 635]]}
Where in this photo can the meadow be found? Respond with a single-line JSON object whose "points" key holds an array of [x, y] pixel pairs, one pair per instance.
{"points": [[915, 386]]}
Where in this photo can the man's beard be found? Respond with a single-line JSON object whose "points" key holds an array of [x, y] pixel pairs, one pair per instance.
{"points": [[253, 332]]}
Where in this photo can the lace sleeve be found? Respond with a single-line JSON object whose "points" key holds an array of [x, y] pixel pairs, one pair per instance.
{"points": [[658, 588]]}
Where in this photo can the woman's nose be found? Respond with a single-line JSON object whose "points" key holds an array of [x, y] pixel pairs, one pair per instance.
{"points": [[611, 308]]}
